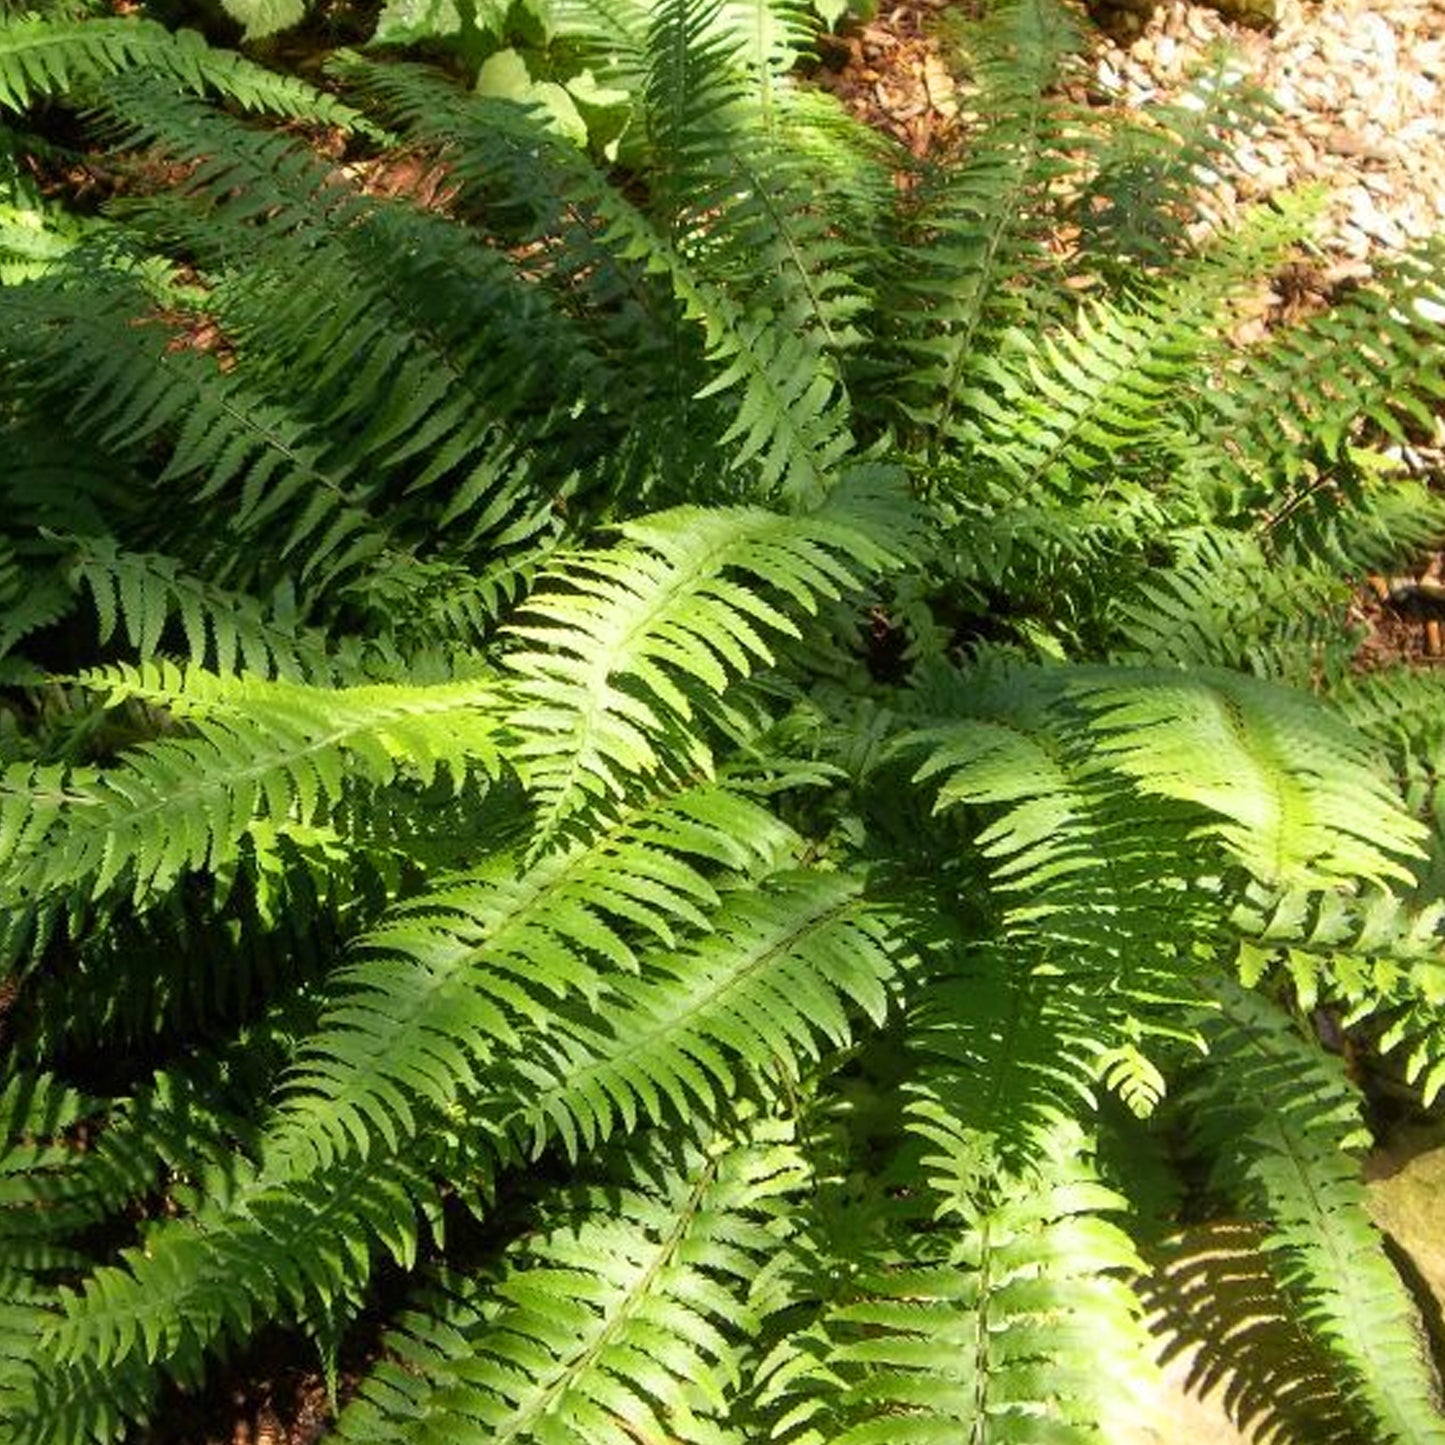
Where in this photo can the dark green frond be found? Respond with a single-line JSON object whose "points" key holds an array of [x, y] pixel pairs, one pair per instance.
{"points": [[1277, 1116]]}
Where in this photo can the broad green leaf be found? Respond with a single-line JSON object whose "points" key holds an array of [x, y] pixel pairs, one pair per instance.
{"points": [[259, 18], [405, 21]]}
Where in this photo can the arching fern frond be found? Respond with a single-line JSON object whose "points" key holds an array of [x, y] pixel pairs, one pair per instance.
{"points": [[1018, 1327], [783, 420], [143, 594], [42, 57], [1299, 795], [971, 231], [258, 750], [760, 995], [449, 985], [623, 1317], [1371, 360], [683, 607], [1276, 1116], [98, 352], [1295, 795]]}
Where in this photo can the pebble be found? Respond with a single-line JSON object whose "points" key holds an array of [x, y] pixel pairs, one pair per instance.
{"points": [[1360, 106]]}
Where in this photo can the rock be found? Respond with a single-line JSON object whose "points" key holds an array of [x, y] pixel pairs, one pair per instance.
{"points": [[1406, 1195]]}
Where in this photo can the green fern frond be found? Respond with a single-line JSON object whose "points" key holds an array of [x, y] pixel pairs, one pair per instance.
{"points": [[456, 372], [376, 1099], [98, 351], [302, 1251], [453, 979], [1277, 1116], [42, 57], [273, 751], [972, 229], [760, 994], [1299, 796], [1019, 1327], [623, 1317], [1371, 360], [144, 593], [1063, 831], [1055, 411], [783, 420], [740, 207], [620, 650], [1225, 602], [1145, 203]]}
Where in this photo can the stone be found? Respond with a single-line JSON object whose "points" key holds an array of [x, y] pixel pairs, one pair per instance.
{"points": [[1406, 1197]]}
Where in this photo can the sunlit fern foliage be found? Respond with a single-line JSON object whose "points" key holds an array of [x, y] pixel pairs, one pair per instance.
{"points": [[711, 802]]}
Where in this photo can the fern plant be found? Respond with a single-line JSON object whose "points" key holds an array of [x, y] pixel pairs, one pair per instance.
{"points": [[700, 770]]}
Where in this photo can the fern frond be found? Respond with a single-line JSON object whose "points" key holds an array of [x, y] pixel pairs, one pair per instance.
{"points": [[622, 1318], [437, 362], [1087, 397], [143, 593], [741, 208], [43, 57], [98, 352], [1300, 798], [274, 751], [972, 230], [677, 612], [783, 421], [1277, 1116], [760, 995], [422, 1035], [1018, 1327], [453, 979], [1063, 832], [1225, 602], [1370, 360], [1146, 202]]}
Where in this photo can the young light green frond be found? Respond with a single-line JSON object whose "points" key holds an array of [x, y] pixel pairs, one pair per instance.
{"points": [[1298, 795], [622, 1319], [626, 640], [1277, 1115], [274, 751], [42, 57], [773, 983], [452, 982]]}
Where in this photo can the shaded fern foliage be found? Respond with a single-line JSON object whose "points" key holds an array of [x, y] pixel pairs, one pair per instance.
{"points": [[711, 773]]}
